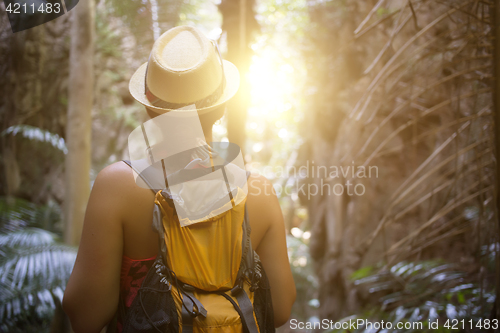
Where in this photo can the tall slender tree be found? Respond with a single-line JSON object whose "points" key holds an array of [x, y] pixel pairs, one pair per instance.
{"points": [[78, 130], [496, 102]]}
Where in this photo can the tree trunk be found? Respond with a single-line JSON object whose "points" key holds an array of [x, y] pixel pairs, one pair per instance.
{"points": [[78, 131], [496, 101]]}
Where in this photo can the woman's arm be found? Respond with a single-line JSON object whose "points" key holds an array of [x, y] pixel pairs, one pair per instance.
{"points": [[92, 293], [272, 250]]}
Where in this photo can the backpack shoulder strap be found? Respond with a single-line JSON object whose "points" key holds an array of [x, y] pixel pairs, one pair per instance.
{"points": [[247, 259], [246, 307], [246, 225], [140, 175]]}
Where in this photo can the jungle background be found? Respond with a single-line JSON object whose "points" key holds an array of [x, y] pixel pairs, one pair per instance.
{"points": [[406, 87]]}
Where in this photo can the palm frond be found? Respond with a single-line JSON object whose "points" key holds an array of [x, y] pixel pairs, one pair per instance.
{"points": [[38, 134], [34, 269], [16, 214], [422, 292], [29, 237]]}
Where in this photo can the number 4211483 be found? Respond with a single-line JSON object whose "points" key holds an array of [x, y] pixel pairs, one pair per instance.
{"points": [[455, 324], [48, 8]]}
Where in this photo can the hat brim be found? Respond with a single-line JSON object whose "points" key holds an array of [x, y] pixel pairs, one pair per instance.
{"points": [[137, 88]]}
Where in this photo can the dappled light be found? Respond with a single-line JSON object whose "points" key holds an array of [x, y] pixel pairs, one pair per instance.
{"points": [[372, 127]]}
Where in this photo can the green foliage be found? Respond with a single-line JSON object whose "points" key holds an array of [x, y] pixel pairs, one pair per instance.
{"points": [[427, 291], [37, 157], [362, 273], [304, 277], [382, 11], [128, 11], [38, 135], [137, 17], [108, 40], [203, 14], [16, 213], [34, 269], [34, 265]]}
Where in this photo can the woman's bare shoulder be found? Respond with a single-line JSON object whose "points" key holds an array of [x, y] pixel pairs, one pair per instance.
{"points": [[260, 187], [118, 172], [117, 177], [116, 183], [263, 204]]}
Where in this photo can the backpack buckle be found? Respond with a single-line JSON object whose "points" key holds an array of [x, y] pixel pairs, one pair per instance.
{"points": [[238, 288], [188, 287]]}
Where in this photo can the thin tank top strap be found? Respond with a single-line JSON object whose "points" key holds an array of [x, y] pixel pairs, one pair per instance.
{"points": [[143, 178]]}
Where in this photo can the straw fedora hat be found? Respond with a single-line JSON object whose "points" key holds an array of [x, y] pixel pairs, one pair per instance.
{"points": [[184, 69]]}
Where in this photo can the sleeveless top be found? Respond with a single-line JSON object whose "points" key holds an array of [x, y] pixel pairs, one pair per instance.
{"points": [[132, 274]]}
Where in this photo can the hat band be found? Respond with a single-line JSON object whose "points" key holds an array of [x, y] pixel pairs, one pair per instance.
{"points": [[201, 103]]}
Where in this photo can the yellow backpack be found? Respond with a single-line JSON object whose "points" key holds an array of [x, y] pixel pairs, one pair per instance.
{"points": [[206, 278]]}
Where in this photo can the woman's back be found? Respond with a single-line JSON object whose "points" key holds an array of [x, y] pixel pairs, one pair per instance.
{"points": [[118, 223]]}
